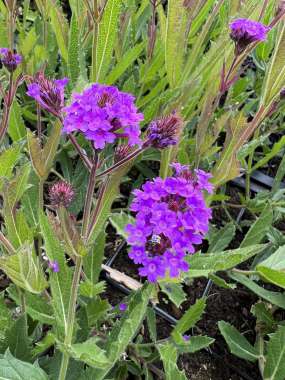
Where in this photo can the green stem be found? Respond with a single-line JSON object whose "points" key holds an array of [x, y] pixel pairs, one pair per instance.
{"points": [[71, 317], [89, 197], [41, 195]]}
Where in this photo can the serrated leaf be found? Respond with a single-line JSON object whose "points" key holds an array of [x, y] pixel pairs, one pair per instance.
{"points": [[125, 329], [174, 292], [190, 317], [203, 264], [237, 343], [276, 260], [88, 289], [275, 298], [128, 58], [14, 369], [275, 359], [16, 129], [60, 27], [195, 343], [36, 306], [73, 50], [176, 24], [168, 354], [60, 282], [104, 40], [259, 228], [24, 269], [119, 221], [220, 239], [89, 353], [43, 345]]}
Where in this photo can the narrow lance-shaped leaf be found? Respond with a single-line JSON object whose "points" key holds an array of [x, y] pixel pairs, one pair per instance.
{"points": [[168, 354], [237, 343], [275, 360], [104, 39], [60, 282]]}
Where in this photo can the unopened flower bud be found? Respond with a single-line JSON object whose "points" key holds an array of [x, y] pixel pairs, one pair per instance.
{"points": [[53, 266], [48, 93], [121, 152], [61, 194], [9, 59], [164, 132]]}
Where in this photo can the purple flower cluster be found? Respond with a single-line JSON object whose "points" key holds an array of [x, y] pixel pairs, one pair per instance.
{"points": [[48, 93], [9, 59], [171, 218], [164, 132], [245, 32], [103, 113]]}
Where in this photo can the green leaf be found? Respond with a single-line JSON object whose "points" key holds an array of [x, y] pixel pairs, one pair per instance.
{"points": [[274, 80], [276, 298], [203, 264], [259, 228], [60, 27], [237, 343], [8, 159], [16, 129], [128, 58], [272, 153], [151, 323], [60, 282], [276, 260], [263, 314], [221, 282], [24, 269], [125, 329], [104, 40], [175, 40], [89, 353], [271, 275], [14, 369], [43, 345], [190, 317], [88, 289], [93, 261], [220, 239], [119, 221], [275, 359], [196, 343], [168, 354], [37, 307], [17, 340], [174, 292], [73, 50]]}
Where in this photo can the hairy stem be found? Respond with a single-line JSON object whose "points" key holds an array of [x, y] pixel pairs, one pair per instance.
{"points": [[89, 197], [71, 317]]}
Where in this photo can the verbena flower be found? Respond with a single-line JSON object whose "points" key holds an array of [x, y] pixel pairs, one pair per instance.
{"points": [[122, 151], [164, 132], [61, 194], [171, 218], [9, 59], [123, 306], [245, 32], [103, 114], [48, 93], [53, 265]]}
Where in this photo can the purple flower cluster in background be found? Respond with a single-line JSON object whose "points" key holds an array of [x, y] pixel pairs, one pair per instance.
{"points": [[48, 93], [103, 114], [9, 59], [245, 32], [171, 218]]}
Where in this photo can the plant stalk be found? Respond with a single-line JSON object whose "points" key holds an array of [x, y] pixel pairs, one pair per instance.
{"points": [[89, 196], [71, 317]]}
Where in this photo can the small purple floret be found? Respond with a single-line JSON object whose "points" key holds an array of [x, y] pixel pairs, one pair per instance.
{"points": [[123, 307], [172, 217], [245, 31], [9, 59], [48, 93], [186, 338], [103, 114], [53, 265]]}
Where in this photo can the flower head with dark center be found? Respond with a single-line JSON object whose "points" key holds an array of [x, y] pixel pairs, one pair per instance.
{"points": [[244, 32], [61, 194], [171, 218], [9, 59], [103, 114], [164, 132], [48, 93]]}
